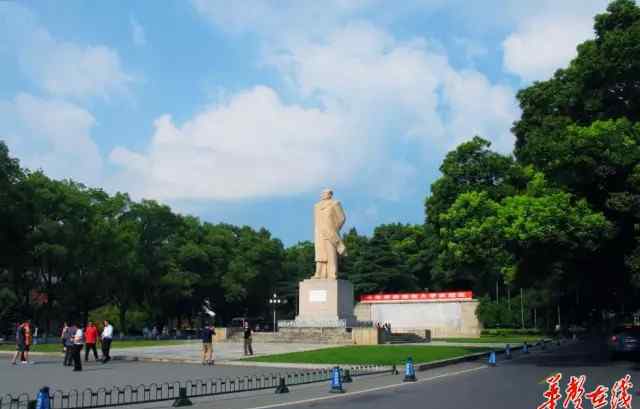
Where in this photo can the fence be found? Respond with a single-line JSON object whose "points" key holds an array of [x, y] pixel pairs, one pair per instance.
{"points": [[132, 395]]}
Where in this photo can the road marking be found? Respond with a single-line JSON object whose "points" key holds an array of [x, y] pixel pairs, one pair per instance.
{"points": [[378, 388]]}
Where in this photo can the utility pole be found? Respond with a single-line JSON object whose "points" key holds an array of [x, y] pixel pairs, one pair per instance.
{"points": [[535, 322], [509, 298], [522, 307], [497, 293]]}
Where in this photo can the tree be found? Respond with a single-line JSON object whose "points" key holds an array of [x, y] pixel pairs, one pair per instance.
{"points": [[299, 264], [536, 238], [472, 167], [602, 82], [580, 128]]}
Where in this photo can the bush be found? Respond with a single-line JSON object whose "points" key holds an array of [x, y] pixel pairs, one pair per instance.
{"points": [[136, 319], [510, 332]]}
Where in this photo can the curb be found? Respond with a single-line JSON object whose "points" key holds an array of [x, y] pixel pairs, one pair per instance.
{"points": [[471, 357]]}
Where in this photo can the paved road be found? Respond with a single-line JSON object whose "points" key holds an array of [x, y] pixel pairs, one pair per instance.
{"points": [[49, 371], [512, 384], [516, 384]]}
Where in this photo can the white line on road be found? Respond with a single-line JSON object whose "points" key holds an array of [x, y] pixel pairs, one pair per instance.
{"points": [[378, 388]]}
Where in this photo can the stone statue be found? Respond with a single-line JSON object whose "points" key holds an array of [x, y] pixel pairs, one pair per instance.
{"points": [[328, 219]]}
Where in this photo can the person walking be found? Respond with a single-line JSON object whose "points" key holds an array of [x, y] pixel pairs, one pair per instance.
{"points": [[28, 341], [78, 341], [65, 326], [207, 345], [90, 339], [107, 336], [248, 350], [68, 343], [20, 344]]}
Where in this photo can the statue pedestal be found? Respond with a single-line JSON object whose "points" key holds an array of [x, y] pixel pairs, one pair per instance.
{"points": [[325, 303]]}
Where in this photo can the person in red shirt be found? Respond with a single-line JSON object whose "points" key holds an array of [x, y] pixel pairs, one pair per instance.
{"points": [[90, 337]]}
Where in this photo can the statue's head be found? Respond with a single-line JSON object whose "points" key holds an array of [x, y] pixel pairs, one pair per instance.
{"points": [[326, 194]]}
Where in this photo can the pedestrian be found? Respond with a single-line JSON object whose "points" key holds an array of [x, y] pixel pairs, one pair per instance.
{"points": [[20, 344], [78, 341], [207, 345], [28, 341], [90, 339], [68, 343], [62, 336], [107, 336], [248, 350]]}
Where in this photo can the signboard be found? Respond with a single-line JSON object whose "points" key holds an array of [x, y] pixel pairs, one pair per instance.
{"points": [[318, 296], [417, 297]]}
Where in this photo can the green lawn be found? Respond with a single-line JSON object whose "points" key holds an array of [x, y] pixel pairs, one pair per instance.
{"points": [[494, 339], [370, 355], [116, 344]]}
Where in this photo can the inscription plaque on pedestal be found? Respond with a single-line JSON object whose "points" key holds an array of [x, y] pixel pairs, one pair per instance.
{"points": [[326, 303]]}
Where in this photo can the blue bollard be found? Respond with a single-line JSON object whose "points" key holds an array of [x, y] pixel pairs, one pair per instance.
{"points": [[525, 348], [492, 358], [507, 351], [409, 371], [336, 381], [42, 401]]}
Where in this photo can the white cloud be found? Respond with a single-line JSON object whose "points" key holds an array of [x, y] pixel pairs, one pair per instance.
{"points": [[546, 40], [542, 45], [278, 18], [52, 135], [137, 32], [71, 70], [60, 68], [371, 94], [252, 146], [404, 88]]}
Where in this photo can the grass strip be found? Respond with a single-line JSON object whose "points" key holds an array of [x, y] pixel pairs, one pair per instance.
{"points": [[370, 355]]}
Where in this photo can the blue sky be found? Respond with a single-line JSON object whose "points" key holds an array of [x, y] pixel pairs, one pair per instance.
{"points": [[242, 112]]}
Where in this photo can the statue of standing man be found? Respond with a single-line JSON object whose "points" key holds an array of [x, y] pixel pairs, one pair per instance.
{"points": [[328, 219]]}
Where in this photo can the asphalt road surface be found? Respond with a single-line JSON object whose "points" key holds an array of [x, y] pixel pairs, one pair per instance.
{"points": [[519, 383], [49, 371]]}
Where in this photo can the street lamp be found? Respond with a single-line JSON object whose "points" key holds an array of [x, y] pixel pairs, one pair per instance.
{"points": [[275, 301]]}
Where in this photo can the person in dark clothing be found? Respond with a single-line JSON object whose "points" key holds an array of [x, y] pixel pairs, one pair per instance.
{"points": [[248, 350], [20, 344], [107, 336], [78, 343], [207, 344], [68, 343]]}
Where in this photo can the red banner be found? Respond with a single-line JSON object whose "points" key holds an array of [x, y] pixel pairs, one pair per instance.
{"points": [[417, 297]]}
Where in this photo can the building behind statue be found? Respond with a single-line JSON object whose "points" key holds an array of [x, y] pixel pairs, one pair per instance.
{"points": [[443, 314]]}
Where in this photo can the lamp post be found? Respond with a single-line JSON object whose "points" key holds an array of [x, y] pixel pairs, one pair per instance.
{"points": [[275, 301]]}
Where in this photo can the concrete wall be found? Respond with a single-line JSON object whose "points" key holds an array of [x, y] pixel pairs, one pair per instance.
{"points": [[311, 335], [366, 336], [443, 318]]}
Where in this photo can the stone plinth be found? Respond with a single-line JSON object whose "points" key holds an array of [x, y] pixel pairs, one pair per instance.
{"points": [[325, 303]]}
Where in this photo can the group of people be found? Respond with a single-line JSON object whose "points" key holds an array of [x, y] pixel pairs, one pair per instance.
{"points": [[74, 339], [208, 334], [386, 327]]}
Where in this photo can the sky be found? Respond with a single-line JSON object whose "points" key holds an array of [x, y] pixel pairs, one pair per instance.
{"points": [[243, 111]]}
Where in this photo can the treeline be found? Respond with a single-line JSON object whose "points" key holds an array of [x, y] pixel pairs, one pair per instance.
{"points": [[557, 222]]}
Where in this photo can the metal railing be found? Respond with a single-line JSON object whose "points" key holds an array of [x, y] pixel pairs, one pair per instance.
{"points": [[157, 392]]}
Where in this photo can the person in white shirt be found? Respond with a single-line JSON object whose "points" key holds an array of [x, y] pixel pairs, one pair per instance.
{"points": [[107, 336], [78, 342]]}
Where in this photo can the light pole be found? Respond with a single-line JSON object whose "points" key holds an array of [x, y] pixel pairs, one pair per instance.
{"points": [[275, 301]]}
